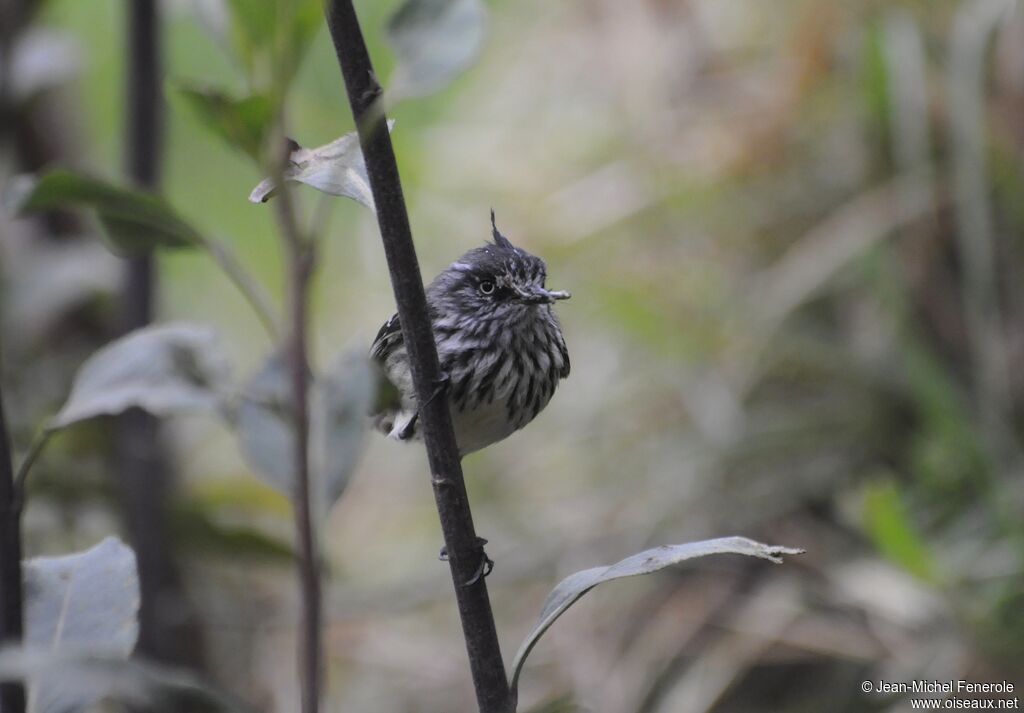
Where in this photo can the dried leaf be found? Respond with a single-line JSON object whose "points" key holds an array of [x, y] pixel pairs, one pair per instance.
{"points": [[576, 585], [337, 168]]}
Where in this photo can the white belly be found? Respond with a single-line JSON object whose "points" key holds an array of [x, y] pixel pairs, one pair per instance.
{"points": [[481, 426], [475, 428]]}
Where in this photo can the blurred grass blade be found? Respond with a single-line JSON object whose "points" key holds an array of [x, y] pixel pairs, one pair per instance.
{"points": [[827, 248], [134, 221], [165, 369], [570, 589], [973, 27], [889, 526], [435, 40], [337, 168], [907, 84], [242, 123]]}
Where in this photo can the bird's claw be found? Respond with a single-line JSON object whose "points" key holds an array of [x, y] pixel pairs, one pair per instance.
{"points": [[485, 567], [441, 385]]}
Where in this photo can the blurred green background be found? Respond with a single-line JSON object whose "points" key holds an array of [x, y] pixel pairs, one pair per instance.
{"points": [[794, 234]]}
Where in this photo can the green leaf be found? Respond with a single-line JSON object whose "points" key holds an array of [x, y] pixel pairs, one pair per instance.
{"points": [[164, 369], [890, 528], [253, 25], [559, 704], [199, 530], [134, 221], [241, 122], [570, 589], [875, 76], [255, 498], [435, 40], [271, 38]]}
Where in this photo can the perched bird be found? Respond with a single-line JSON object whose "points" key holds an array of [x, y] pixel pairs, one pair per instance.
{"points": [[498, 341]]}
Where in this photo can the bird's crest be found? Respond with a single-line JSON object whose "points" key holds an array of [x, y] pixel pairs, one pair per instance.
{"points": [[499, 239]]}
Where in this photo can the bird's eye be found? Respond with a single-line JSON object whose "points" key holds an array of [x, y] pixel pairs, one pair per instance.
{"points": [[487, 287]]}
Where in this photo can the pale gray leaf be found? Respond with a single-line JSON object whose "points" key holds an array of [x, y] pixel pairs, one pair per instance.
{"points": [[576, 585], [263, 424], [337, 168], [53, 279], [164, 369], [82, 678], [435, 40], [41, 59], [85, 602], [341, 403]]}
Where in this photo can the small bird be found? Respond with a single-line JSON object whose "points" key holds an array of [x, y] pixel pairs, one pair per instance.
{"points": [[499, 345]]}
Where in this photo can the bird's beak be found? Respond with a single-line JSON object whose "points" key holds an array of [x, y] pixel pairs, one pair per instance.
{"points": [[539, 295]]}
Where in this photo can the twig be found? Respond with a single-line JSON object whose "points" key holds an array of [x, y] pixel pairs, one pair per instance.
{"points": [[34, 449], [251, 290], [12, 695], [301, 260], [460, 538]]}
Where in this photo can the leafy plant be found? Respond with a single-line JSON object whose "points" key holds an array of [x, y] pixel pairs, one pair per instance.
{"points": [[300, 429]]}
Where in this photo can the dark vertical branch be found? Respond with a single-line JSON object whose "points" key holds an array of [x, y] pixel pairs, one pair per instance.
{"points": [[485, 660], [167, 631], [12, 695], [301, 261]]}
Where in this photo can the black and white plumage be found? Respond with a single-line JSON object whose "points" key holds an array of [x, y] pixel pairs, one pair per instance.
{"points": [[498, 342]]}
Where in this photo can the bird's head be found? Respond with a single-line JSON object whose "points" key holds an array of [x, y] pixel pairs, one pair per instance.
{"points": [[497, 280]]}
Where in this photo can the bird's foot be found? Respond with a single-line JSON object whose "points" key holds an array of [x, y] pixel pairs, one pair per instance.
{"points": [[485, 567], [440, 387]]}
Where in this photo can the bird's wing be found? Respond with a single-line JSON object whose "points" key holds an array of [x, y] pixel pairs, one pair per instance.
{"points": [[389, 337]]}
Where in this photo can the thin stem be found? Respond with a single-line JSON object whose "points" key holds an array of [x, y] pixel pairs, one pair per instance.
{"points": [[321, 219], [34, 449], [247, 285], [488, 670], [301, 260], [12, 695], [168, 628]]}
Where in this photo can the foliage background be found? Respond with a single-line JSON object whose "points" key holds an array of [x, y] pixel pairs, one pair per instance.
{"points": [[760, 212]]}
